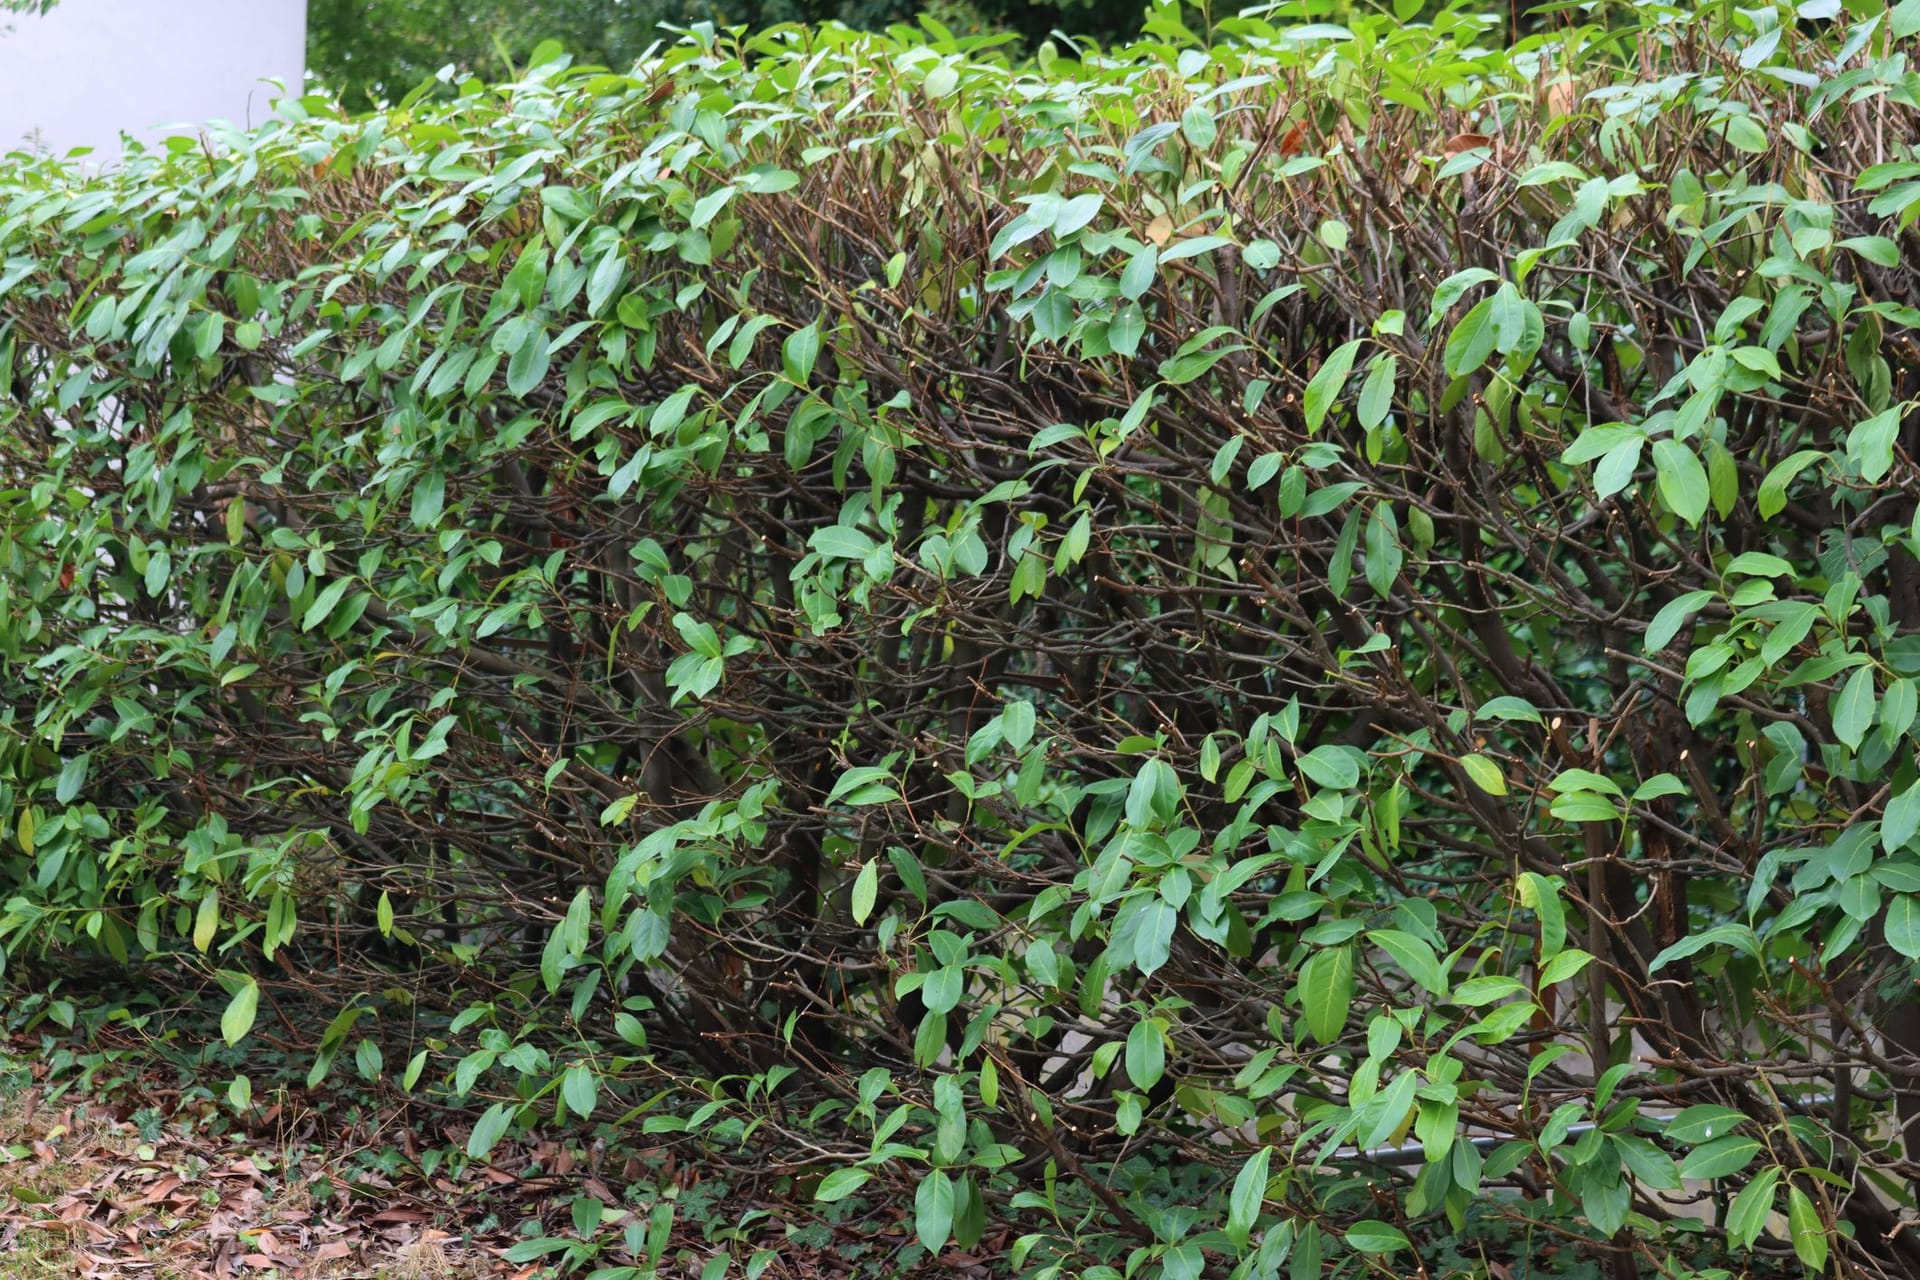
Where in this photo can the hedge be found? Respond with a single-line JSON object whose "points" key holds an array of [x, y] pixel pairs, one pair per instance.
{"points": [[1286, 653]]}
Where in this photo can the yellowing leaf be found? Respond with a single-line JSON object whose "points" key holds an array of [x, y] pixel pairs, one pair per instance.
{"points": [[1485, 774], [206, 919]]}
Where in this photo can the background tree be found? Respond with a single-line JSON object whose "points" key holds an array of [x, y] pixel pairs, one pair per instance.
{"points": [[371, 49]]}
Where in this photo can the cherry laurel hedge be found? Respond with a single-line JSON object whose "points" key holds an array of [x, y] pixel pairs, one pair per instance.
{"points": [[1234, 659]]}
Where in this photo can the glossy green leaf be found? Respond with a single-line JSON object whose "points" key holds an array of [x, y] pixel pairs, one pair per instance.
{"points": [[1326, 992], [1327, 383]]}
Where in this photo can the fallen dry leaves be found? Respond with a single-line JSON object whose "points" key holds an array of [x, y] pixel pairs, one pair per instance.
{"points": [[83, 1194], [87, 1193]]}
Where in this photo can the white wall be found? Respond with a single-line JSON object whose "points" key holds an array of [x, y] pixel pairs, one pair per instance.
{"points": [[91, 69]]}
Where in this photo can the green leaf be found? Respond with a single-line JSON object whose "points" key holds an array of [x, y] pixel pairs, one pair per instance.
{"points": [[1870, 444], [1153, 943], [206, 339], [1616, 469], [1853, 708], [527, 367], [1759, 564], [1647, 1163], [1196, 356], [1598, 442], [1878, 250], [1772, 498], [1901, 820], [1198, 126], [159, 569], [708, 207], [943, 988], [1333, 767], [206, 919], [1903, 925], [1326, 992], [1077, 213], [866, 888], [840, 1184], [1738, 936], [1508, 707], [239, 1015], [581, 1089], [1146, 1054], [1898, 708], [1414, 956], [837, 542], [73, 776], [429, 496], [669, 413], [489, 1129], [1660, 784], [1584, 806], [1376, 393], [324, 603], [1808, 1231], [1566, 965], [1373, 1236], [1682, 480], [1541, 896], [941, 81], [1485, 774], [1475, 992], [1745, 133], [863, 785], [799, 353], [1384, 557], [1721, 1158], [1747, 1217], [1472, 340], [933, 1211], [1667, 623], [1125, 329], [528, 279], [1139, 274], [1249, 1196], [1192, 247], [1325, 386], [1701, 1123]]}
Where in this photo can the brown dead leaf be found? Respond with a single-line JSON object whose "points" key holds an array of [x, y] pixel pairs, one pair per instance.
{"points": [[1160, 230], [399, 1215], [1559, 98], [1465, 142], [160, 1190]]}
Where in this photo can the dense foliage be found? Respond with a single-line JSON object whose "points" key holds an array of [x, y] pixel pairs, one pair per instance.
{"points": [[1245, 657]]}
